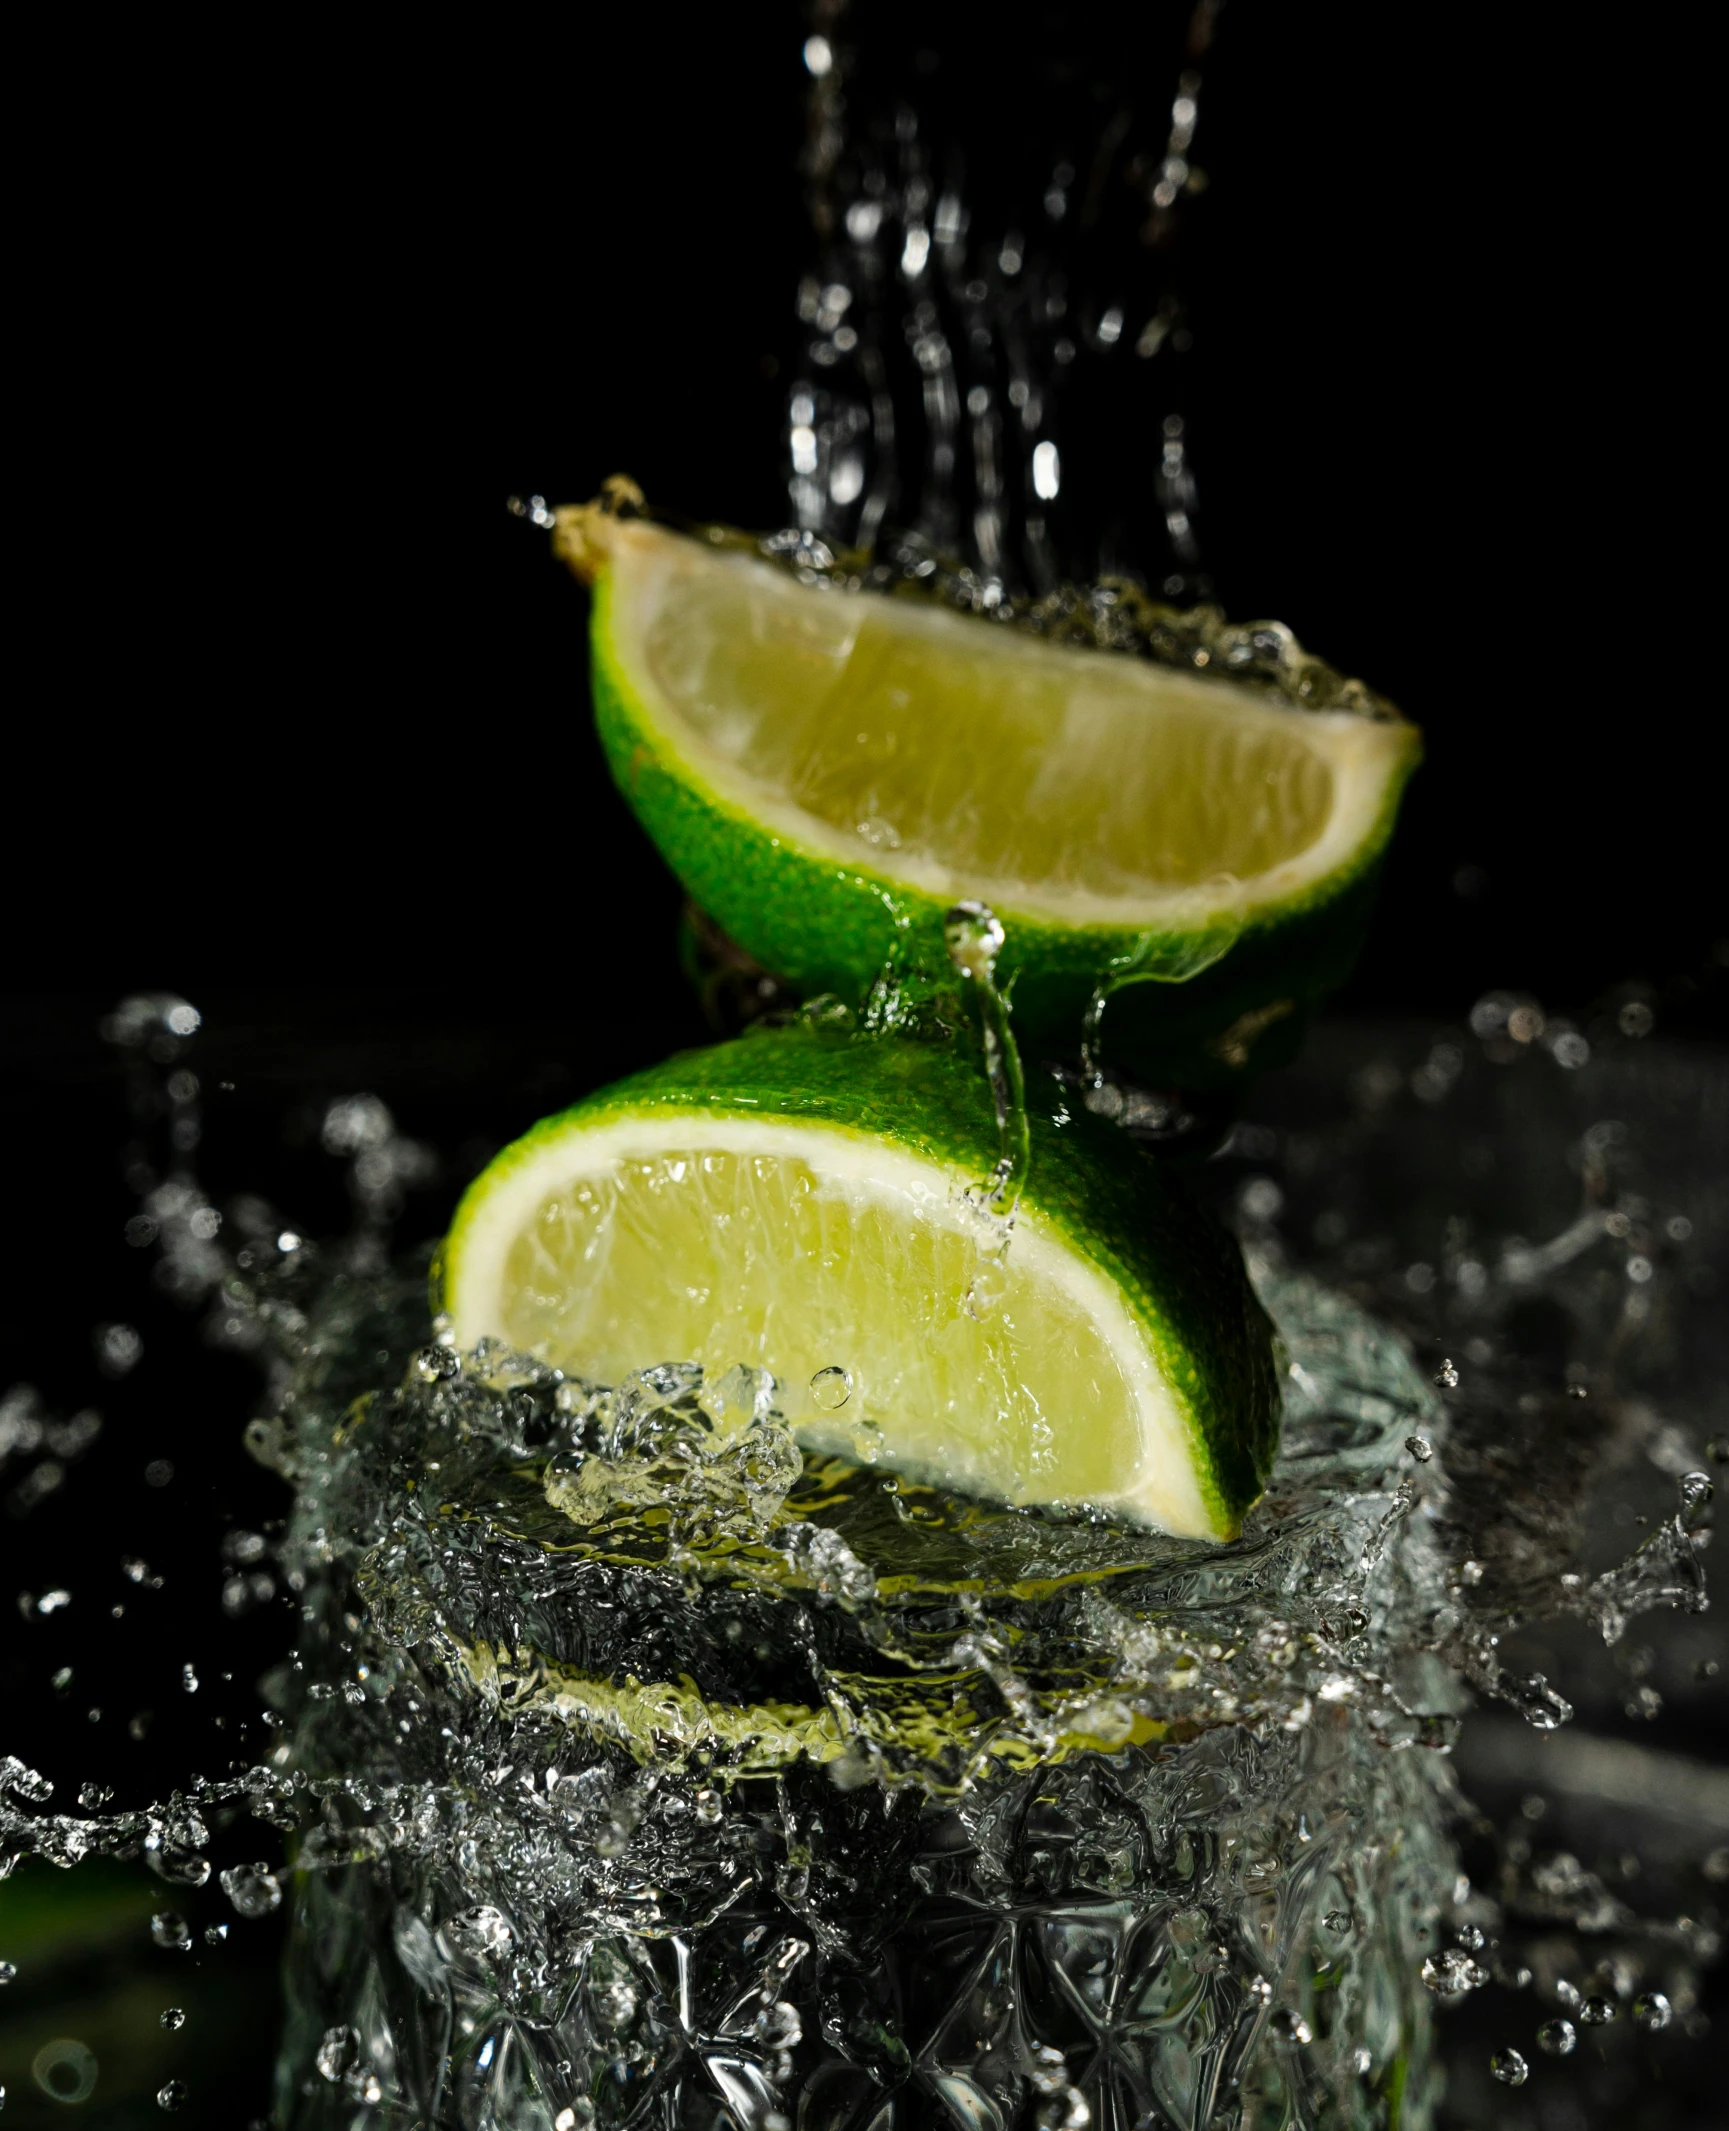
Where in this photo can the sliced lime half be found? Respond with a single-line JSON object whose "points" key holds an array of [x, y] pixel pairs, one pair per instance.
{"points": [[811, 1205]]}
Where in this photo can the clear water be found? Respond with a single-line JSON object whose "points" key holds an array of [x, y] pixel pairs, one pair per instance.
{"points": [[630, 1759], [658, 1761]]}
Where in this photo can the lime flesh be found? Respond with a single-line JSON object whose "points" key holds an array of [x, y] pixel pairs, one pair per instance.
{"points": [[829, 771], [968, 759], [812, 1208]]}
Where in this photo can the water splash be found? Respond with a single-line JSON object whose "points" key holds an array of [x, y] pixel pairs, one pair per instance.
{"points": [[1017, 1716]]}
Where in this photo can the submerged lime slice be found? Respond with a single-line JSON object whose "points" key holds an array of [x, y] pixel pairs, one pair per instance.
{"points": [[810, 1204], [827, 770]]}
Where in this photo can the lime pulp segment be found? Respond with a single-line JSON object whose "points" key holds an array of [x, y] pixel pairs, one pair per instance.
{"points": [[947, 757], [856, 1265]]}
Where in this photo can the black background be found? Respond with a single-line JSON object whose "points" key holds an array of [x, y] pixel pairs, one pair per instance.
{"points": [[298, 721], [305, 708]]}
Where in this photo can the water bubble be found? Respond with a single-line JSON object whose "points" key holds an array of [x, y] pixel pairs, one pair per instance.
{"points": [[1556, 2038], [253, 1889], [1420, 1448], [1652, 2012], [1509, 2068], [830, 1388], [1447, 1377], [1597, 2012], [173, 2019], [65, 2069]]}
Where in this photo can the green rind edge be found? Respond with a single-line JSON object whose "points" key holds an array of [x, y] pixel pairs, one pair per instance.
{"points": [[829, 927], [1179, 1273]]}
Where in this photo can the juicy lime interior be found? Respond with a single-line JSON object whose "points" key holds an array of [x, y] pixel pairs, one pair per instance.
{"points": [[979, 748], [1006, 1371]]}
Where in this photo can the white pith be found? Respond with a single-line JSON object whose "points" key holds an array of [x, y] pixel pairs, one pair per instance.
{"points": [[1161, 1490]]}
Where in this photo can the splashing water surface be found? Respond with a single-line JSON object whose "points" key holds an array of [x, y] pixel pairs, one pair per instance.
{"points": [[626, 1753]]}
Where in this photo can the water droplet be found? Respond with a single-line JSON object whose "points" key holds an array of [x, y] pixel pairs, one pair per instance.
{"points": [[1362, 2063], [481, 1931], [171, 2094], [188, 1680], [1652, 2012], [973, 935], [93, 1796], [1471, 1938], [1597, 2012], [1451, 1974], [253, 1889], [171, 1931], [1292, 2026], [1570, 1995], [1509, 2068], [830, 1388], [1337, 1920], [1447, 1377], [1694, 1489], [437, 1364], [173, 2019], [616, 2003], [8, 1971], [1556, 2038], [338, 2052], [1420, 1448], [65, 2069]]}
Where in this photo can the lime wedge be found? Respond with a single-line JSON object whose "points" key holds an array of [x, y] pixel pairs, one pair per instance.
{"points": [[810, 1203], [828, 771]]}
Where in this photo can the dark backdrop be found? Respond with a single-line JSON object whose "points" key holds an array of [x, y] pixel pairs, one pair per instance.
{"points": [[305, 708], [297, 723]]}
